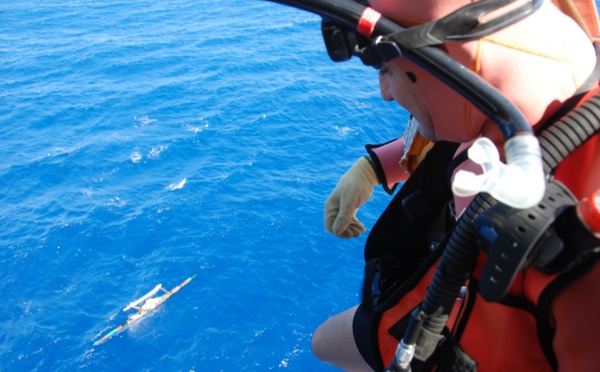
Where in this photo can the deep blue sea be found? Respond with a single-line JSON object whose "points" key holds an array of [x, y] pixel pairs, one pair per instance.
{"points": [[146, 141]]}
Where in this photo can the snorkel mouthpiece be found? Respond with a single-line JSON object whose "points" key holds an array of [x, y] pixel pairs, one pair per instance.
{"points": [[520, 183]]}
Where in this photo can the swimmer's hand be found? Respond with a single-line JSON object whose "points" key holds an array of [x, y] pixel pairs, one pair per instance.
{"points": [[352, 191]]}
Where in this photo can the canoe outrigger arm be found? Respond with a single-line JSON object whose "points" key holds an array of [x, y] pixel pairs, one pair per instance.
{"points": [[144, 297]]}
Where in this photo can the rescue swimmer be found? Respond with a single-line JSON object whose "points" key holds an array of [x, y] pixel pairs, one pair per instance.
{"points": [[455, 281]]}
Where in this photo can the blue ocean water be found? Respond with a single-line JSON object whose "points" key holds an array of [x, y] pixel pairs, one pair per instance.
{"points": [[146, 141]]}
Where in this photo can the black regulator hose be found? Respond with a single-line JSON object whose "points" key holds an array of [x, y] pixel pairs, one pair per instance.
{"points": [[486, 98], [457, 262], [570, 132]]}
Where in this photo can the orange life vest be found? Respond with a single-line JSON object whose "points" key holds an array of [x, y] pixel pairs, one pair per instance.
{"points": [[529, 330]]}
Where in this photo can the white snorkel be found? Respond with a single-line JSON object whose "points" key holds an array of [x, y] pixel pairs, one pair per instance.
{"points": [[520, 183]]}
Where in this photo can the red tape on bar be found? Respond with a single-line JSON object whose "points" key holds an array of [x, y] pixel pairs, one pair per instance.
{"points": [[368, 20]]}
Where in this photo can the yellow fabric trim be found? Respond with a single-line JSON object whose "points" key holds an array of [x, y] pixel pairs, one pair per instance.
{"points": [[418, 149], [493, 40], [573, 12], [562, 59]]}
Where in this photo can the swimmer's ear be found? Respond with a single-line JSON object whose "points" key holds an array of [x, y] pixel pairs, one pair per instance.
{"points": [[412, 77]]}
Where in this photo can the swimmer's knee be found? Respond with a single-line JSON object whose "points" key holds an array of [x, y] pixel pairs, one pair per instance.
{"points": [[334, 338], [317, 344], [333, 342]]}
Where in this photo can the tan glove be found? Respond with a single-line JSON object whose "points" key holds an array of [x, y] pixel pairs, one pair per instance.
{"points": [[352, 191]]}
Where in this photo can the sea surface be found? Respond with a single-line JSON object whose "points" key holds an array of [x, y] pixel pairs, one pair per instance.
{"points": [[143, 142]]}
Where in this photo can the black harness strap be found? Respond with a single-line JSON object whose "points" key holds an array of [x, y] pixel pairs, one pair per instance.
{"points": [[397, 251], [546, 332]]}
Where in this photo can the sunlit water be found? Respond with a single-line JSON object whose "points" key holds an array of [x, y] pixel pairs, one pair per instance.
{"points": [[146, 141]]}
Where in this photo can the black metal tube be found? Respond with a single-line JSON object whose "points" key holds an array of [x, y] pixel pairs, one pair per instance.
{"points": [[489, 100]]}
